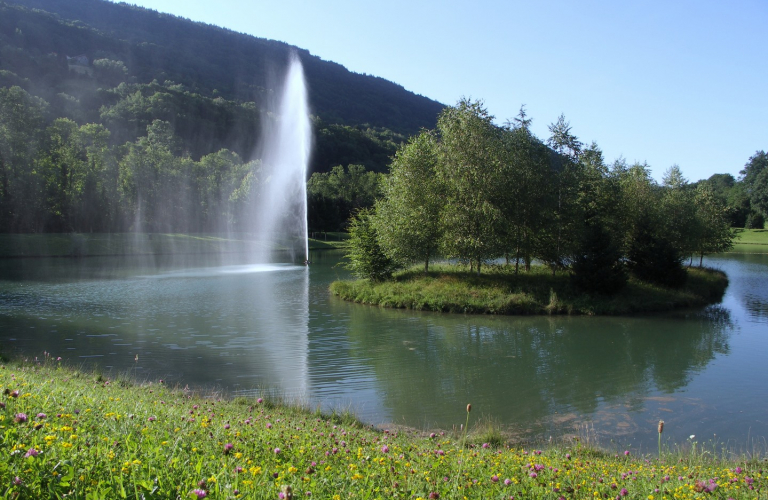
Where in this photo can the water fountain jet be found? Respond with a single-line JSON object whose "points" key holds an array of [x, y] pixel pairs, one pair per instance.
{"points": [[280, 215]]}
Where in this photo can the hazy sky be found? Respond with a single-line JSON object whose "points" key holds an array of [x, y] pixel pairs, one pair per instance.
{"points": [[666, 82]]}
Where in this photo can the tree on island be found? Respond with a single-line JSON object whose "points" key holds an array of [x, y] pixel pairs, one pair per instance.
{"points": [[407, 216]]}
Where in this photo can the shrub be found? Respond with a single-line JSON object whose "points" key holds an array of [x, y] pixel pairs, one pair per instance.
{"points": [[755, 221], [652, 258], [598, 267], [366, 259]]}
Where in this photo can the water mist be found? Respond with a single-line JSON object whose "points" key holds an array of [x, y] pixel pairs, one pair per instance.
{"points": [[280, 215]]}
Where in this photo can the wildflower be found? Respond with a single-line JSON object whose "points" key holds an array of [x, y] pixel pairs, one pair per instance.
{"points": [[486, 445], [385, 449], [41, 416], [507, 482], [228, 447], [17, 481], [626, 453], [495, 478], [277, 451], [434, 494], [259, 400], [623, 492], [199, 493], [20, 418], [31, 453], [432, 435], [533, 475]]}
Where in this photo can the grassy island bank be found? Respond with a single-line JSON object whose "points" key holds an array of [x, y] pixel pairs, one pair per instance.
{"points": [[500, 291], [72, 434]]}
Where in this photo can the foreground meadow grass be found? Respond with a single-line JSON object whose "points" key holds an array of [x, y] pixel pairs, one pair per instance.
{"points": [[452, 288], [65, 433]]}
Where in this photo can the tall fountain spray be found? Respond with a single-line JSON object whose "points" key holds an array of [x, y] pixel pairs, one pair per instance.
{"points": [[281, 213]]}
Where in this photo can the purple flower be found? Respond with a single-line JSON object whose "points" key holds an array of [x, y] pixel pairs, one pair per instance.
{"points": [[486, 445], [738, 470], [494, 478], [259, 400], [226, 426], [385, 449], [568, 456], [228, 447], [623, 492], [533, 475], [15, 394], [200, 493], [277, 451], [151, 419], [41, 415], [20, 418], [626, 453], [32, 453], [17, 481], [507, 482], [432, 435]]}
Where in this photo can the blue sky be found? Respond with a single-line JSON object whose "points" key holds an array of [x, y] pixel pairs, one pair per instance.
{"points": [[665, 82]]}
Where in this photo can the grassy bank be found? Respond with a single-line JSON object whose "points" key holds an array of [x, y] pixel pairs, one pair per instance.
{"points": [[73, 434], [108, 244], [750, 241], [499, 291]]}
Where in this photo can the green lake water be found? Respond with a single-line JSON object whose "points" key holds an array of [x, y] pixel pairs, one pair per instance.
{"points": [[247, 328]]}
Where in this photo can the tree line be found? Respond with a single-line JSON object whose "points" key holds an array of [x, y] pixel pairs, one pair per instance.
{"points": [[478, 192]]}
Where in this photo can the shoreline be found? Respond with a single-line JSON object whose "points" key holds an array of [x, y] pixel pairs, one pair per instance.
{"points": [[452, 289]]}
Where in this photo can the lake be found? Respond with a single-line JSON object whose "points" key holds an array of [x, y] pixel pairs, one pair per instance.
{"points": [[244, 328]]}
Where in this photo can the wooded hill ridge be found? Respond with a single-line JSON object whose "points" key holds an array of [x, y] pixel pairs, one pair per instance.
{"points": [[142, 65]]}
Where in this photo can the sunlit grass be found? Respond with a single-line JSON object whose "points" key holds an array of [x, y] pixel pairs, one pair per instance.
{"points": [[750, 241], [499, 291], [68, 433]]}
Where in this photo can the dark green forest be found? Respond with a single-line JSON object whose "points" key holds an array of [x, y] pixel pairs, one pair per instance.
{"points": [[111, 114], [118, 118]]}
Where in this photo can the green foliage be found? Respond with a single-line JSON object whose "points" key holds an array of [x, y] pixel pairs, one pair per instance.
{"points": [[755, 221], [652, 258], [334, 196], [470, 169], [366, 259], [408, 215], [714, 233], [598, 266]]}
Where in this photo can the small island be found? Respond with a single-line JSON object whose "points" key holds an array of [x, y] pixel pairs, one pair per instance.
{"points": [[531, 227], [499, 291]]}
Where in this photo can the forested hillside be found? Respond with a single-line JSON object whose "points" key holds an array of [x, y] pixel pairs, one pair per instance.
{"points": [[89, 90]]}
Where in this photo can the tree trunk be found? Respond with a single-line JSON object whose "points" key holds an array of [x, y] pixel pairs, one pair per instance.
{"points": [[701, 260]]}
